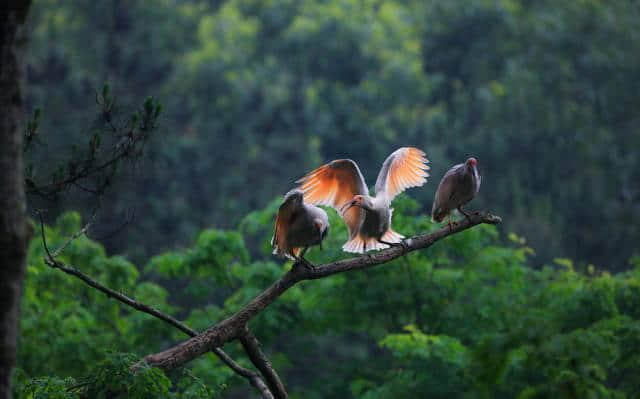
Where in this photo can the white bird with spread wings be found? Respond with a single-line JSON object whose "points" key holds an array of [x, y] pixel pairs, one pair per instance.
{"points": [[340, 184]]}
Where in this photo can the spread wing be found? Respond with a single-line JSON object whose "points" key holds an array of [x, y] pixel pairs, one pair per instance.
{"points": [[404, 168], [291, 202], [335, 184]]}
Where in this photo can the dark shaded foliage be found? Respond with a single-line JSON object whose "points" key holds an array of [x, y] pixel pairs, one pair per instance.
{"points": [[258, 92], [467, 318]]}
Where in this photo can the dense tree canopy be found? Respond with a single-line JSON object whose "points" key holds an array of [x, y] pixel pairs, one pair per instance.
{"points": [[257, 92], [254, 94], [467, 318]]}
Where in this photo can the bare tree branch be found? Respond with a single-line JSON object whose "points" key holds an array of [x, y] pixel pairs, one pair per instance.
{"points": [[49, 190], [75, 235], [232, 327], [99, 163], [253, 377], [129, 218], [259, 359]]}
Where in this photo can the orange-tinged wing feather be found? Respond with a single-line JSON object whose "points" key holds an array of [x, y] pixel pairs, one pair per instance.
{"points": [[404, 168], [335, 184], [283, 222]]}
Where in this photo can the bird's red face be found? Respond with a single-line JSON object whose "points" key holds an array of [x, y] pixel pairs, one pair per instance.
{"points": [[472, 162]]}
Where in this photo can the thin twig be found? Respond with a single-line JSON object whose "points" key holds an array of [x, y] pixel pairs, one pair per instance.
{"points": [[127, 221], [86, 189], [75, 235], [44, 239]]}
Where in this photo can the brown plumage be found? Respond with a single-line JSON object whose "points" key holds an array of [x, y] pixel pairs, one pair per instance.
{"points": [[458, 186], [340, 184], [298, 226]]}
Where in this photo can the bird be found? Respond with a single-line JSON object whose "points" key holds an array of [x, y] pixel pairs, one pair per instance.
{"points": [[458, 186], [298, 226], [340, 184]]}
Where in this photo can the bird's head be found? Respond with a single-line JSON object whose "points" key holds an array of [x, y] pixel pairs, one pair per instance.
{"points": [[471, 165], [295, 195], [361, 201]]}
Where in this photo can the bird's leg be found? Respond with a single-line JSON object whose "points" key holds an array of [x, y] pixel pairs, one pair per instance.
{"points": [[304, 251], [301, 259], [462, 211], [449, 223], [307, 264], [304, 262]]}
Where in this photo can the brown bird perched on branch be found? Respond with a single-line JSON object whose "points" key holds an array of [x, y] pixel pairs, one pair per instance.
{"points": [[298, 227], [340, 184], [458, 186]]}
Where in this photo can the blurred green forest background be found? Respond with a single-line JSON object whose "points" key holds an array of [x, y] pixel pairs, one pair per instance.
{"points": [[468, 318], [257, 92]]}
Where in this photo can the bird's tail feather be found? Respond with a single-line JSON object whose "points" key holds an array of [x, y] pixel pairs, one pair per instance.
{"points": [[291, 254], [392, 236], [360, 244]]}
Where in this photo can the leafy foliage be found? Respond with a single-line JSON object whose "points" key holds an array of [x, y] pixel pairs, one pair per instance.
{"points": [[110, 142], [72, 330], [543, 93], [467, 318], [46, 388], [113, 377]]}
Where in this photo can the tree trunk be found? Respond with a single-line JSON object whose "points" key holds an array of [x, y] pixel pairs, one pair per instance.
{"points": [[14, 231]]}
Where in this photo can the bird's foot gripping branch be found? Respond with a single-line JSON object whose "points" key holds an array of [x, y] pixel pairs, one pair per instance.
{"points": [[233, 327]]}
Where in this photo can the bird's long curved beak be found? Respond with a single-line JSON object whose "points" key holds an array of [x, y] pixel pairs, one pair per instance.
{"points": [[347, 206]]}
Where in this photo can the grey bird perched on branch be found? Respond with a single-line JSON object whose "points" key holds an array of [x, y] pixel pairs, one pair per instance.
{"points": [[298, 227], [458, 186], [340, 184]]}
